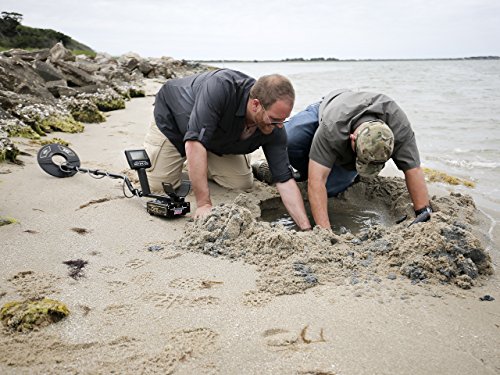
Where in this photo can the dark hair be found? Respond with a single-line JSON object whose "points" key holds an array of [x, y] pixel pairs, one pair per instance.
{"points": [[268, 89]]}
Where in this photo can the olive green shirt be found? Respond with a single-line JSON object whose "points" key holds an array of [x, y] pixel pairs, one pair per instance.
{"points": [[342, 111]]}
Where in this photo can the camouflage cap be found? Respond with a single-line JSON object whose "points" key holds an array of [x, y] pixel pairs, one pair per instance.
{"points": [[374, 145]]}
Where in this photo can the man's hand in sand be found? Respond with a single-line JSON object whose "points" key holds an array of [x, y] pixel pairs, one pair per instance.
{"points": [[202, 211]]}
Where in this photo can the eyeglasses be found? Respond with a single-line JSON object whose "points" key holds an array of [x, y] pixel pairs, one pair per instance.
{"points": [[273, 122]]}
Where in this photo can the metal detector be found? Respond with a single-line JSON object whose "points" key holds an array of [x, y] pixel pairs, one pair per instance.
{"points": [[170, 205]]}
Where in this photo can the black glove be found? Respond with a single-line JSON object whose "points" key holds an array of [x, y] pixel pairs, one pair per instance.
{"points": [[422, 215]]}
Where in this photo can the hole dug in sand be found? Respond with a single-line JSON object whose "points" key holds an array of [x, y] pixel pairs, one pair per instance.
{"points": [[346, 215]]}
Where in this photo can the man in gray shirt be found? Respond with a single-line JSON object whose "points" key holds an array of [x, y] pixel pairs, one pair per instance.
{"points": [[350, 133], [214, 120]]}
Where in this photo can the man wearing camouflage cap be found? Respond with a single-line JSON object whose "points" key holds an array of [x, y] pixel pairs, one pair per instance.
{"points": [[350, 133]]}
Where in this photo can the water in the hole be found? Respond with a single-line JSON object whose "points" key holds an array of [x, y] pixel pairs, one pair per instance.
{"points": [[345, 216]]}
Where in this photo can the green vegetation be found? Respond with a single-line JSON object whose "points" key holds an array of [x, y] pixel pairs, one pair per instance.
{"points": [[17, 130], [434, 175], [7, 221], [9, 153], [60, 141], [110, 105], [15, 35], [85, 111], [136, 93], [88, 116], [88, 53], [24, 316], [65, 124]]}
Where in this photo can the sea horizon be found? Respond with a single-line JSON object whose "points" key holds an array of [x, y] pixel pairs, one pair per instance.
{"points": [[334, 59]]}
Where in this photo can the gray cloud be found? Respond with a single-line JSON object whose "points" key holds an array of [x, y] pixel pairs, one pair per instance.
{"points": [[197, 29]]}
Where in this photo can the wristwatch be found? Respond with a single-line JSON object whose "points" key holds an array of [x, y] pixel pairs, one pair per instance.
{"points": [[426, 209]]}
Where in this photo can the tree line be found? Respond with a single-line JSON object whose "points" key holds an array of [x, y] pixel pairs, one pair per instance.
{"points": [[15, 35]]}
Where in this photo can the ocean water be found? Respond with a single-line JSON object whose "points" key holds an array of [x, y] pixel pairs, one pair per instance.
{"points": [[453, 106]]}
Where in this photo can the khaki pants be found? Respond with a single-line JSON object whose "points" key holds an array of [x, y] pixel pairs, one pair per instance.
{"points": [[230, 171]]}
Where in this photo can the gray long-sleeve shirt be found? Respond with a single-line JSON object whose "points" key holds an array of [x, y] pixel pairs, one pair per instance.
{"points": [[210, 108]]}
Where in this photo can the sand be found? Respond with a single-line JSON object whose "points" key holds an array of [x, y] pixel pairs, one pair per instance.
{"points": [[231, 294]]}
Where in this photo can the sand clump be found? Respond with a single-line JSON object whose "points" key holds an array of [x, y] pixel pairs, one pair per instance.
{"points": [[444, 250]]}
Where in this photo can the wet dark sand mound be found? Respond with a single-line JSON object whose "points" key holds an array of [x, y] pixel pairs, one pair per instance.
{"points": [[445, 250]]}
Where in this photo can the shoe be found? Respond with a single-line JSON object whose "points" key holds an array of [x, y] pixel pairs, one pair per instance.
{"points": [[261, 172]]}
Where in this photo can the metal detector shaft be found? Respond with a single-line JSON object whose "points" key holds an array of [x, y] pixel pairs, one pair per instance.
{"points": [[97, 172]]}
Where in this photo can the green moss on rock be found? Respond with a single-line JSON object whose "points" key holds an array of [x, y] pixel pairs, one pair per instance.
{"points": [[92, 117], [7, 221], [110, 105], [9, 154], [60, 141], [23, 316], [434, 175], [61, 123], [22, 131], [84, 110], [136, 93]]}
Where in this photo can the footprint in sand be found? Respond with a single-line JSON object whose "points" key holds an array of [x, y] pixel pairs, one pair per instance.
{"points": [[144, 278], [116, 285], [204, 301], [183, 345], [108, 270], [278, 339], [135, 263], [172, 300], [193, 284], [31, 284], [255, 298], [119, 310]]}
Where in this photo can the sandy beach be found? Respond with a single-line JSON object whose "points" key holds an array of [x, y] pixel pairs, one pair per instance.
{"points": [[154, 298]]}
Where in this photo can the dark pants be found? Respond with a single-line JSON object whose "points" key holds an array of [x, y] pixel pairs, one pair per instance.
{"points": [[300, 131]]}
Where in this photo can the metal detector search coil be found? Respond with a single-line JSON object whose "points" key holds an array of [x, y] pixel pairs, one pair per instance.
{"points": [[46, 154], [170, 205]]}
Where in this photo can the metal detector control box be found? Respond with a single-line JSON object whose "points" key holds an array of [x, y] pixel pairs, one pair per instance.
{"points": [[138, 159], [170, 205]]}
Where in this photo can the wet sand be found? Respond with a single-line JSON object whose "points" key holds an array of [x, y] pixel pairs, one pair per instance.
{"points": [[231, 294]]}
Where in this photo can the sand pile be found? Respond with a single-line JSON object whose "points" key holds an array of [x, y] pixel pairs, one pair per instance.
{"points": [[444, 250]]}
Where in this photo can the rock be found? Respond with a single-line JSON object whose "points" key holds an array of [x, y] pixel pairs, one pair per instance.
{"points": [[13, 127], [105, 99], [84, 110], [58, 53], [44, 118], [40, 55], [27, 315], [130, 63], [47, 71], [60, 88], [8, 151], [74, 75], [129, 60], [88, 66], [19, 77], [9, 101], [487, 297], [103, 58], [145, 67]]}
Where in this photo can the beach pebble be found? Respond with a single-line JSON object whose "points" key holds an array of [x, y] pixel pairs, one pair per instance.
{"points": [[392, 276], [155, 248], [487, 297]]}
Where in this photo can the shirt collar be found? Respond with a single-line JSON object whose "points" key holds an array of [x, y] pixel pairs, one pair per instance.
{"points": [[242, 108]]}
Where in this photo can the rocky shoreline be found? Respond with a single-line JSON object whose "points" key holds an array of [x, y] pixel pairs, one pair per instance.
{"points": [[54, 90]]}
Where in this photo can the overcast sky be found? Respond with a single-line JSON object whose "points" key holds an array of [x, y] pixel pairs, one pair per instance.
{"points": [[267, 29]]}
